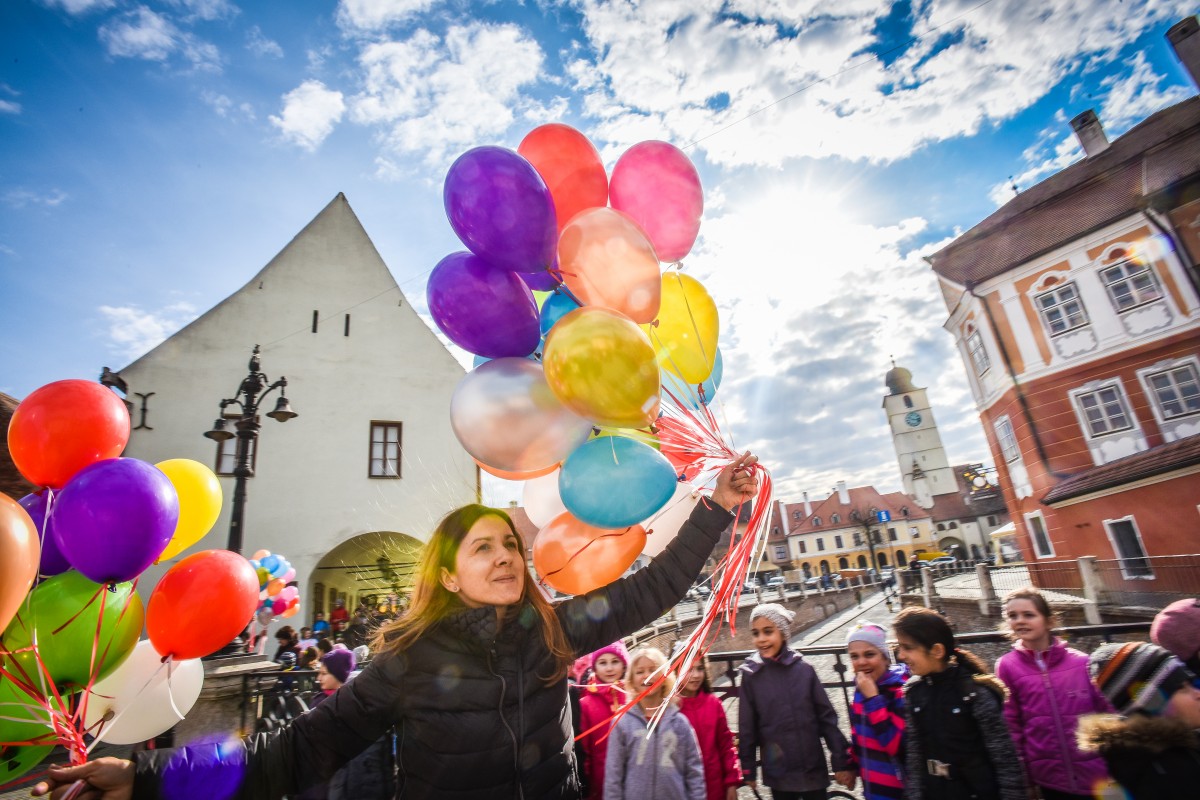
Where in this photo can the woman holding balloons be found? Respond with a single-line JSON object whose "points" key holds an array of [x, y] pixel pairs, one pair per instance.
{"points": [[474, 676]]}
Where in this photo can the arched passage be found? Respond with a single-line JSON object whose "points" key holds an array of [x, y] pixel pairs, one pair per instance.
{"points": [[372, 569]]}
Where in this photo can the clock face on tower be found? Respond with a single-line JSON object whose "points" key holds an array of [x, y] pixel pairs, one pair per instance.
{"points": [[913, 419]]}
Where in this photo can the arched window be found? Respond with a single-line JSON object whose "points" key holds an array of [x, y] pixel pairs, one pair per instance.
{"points": [[843, 563], [907, 401], [862, 562], [806, 568], [774, 531], [900, 558], [881, 558], [795, 515], [854, 515], [835, 519], [824, 567], [953, 525], [816, 522], [941, 526]]}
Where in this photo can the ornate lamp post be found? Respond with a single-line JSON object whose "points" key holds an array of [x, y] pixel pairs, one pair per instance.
{"points": [[254, 389]]}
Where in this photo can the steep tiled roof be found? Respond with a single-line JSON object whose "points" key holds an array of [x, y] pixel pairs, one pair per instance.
{"points": [[1155, 461], [522, 523], [861, 498], [966, 502], [1159, 152], [11, 482]]}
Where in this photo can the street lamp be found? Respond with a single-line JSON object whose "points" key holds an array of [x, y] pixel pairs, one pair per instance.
{"points": [[254, 389]]}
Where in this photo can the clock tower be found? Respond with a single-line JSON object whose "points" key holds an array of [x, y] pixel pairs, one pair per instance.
{"points": [[922, 459]]}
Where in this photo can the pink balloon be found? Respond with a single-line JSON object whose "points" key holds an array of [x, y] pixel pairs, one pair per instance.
{"points": [[657, 185], [506, 416]]}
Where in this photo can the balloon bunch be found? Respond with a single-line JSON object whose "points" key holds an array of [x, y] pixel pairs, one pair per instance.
{"points": [[597, 393], [70, 556], [278, 595]]}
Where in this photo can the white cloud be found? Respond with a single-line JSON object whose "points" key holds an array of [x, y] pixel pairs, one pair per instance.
{"points": [[780, 80], [133, 331], [22, 198], [9, 107], [436, 96], [79, 6], [140, 33], [310, 111], [375, 15], [258, 44], [207, 10]]}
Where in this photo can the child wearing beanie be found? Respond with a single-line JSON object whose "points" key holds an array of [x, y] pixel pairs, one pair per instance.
{"points": [[604, 697], [784, 713], [1153, 751], [876, 714], [1177, 629]]}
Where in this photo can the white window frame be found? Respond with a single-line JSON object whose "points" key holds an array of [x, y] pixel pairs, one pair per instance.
{"points": [[978, 352], [1037, 552], [1006, 437], [1146, 376], [1127, 277], [1121, 559], [1059, 305], [1085, 422]]}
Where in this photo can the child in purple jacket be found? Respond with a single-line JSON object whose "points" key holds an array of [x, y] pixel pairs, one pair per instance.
{"points": [[876, 715], [1049, 690]]}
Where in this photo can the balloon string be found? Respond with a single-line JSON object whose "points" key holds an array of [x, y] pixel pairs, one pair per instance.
{"points": [[77, 614], [109, 722], [583, 549]]}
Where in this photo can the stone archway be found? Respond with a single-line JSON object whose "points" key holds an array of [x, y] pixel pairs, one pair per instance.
{"points": [[374, 569]]}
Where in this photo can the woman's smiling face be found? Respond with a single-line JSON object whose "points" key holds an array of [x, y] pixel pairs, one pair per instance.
{"points": [[488, 569]]}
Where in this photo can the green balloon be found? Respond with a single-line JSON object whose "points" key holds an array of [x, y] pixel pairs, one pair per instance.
{"points": [[22, 719], [63, 611], [16, 761]]}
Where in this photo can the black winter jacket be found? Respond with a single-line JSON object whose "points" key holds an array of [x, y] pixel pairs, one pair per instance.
{"points": [[1153, 758], [955, 718], [475, 719]]}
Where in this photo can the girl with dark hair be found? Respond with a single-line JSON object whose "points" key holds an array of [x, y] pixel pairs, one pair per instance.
{"points": [[957, 745], [722, 772], [289, 642], [473, 677], [1049, 690]]}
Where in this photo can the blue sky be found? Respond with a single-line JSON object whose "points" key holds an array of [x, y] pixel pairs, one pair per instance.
{"points": [[157, 154]]}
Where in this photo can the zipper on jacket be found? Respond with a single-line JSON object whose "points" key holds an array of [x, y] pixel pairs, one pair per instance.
{"points": [[1067, 755], [503, 692]]}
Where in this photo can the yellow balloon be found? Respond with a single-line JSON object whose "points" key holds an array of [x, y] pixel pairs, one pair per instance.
{"points": [[200, 501], [685, 334], [602, 367]]}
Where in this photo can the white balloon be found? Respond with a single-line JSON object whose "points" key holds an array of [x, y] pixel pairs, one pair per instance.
{"points": [[541, 499], [137, 697], [665, 524]]}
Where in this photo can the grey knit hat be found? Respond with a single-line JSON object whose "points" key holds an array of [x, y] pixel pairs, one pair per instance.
{"points": [[872, 633], [776, 614], [1137, 676]]}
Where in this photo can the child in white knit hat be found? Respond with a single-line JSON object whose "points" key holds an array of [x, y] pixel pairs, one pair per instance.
{"points": [[877, 714]]}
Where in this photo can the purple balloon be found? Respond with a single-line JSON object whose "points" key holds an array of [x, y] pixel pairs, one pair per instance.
{"points": [[545, 281], [500, 207], [482, 308], [114, 518], [53, 562]]}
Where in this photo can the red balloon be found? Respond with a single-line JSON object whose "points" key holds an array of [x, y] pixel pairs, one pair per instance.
{"points": [[576, 558], [675, 442], [570, 166], [201, 603], [63, 427]]}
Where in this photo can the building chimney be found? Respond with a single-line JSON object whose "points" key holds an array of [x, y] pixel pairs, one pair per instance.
{"points": [[807, 506], [843, 495], [1090, 132], [783, 515], [1184, 39]]}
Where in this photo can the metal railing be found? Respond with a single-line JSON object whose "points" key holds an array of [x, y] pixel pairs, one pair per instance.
{"points": [[1150, 581]]}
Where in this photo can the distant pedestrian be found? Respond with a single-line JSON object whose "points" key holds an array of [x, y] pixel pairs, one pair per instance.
{"points": [[320, 627], [784, 714], [957, 745], [665, 764], [877, 723], [1049, 690], [1153, 751], [718, 747]]}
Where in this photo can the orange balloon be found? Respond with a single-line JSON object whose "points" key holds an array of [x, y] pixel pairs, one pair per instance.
{"points": [[274, 587], [570, 166], [20, 553], [201, 603], [606, 260], [515, 476], [63, 427], [576, 558]]}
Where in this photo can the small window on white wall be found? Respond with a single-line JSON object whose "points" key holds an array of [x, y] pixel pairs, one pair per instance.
{"points": [[1130, 284], [1037, 534], [979, 356], [1127, 544], [1008, 441], [1061, 309], [1104, 411]]}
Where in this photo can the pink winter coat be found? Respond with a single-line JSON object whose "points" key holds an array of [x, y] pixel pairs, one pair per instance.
{"points": [[721, 768], [1043, 711], [597, 705]]}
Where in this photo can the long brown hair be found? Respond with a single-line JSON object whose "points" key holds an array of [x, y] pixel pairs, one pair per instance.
{"points": [[927, 627], [431, 601]]}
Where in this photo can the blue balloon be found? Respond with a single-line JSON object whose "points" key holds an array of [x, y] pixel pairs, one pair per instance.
{"points": [[688, 393], [615, 482], [270, 563], [555, 308]]}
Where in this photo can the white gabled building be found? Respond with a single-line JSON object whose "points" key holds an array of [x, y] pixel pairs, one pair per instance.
{"points": [[370, 463]]}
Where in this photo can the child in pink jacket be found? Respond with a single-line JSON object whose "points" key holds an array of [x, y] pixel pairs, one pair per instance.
{"points": [[1049, 691], [605, 694], [722, 772]]}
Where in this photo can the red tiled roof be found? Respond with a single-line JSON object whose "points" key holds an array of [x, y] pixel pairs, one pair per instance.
{"points": [[1155, 461], [1159, 152], [524, 526], [862, 498], [966, 504]]}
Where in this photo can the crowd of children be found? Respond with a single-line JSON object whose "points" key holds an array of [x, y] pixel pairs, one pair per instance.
{"points": [[1051, 723]]}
